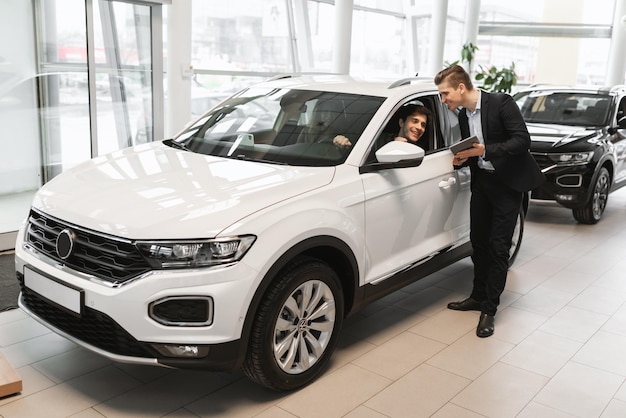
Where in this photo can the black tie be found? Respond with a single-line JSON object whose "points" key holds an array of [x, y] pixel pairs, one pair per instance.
{"points": [[464, 124]]}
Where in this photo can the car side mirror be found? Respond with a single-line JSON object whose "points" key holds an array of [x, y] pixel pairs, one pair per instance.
{"points": [[395, 154]]}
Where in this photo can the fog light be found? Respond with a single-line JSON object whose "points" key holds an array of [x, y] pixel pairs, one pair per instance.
{"points": [[564, 197], [570, 180], [182, 350], [182, 311]]}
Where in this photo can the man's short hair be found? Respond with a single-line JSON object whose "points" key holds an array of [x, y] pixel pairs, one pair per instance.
{"points": [[454, 75], [411, 109]]}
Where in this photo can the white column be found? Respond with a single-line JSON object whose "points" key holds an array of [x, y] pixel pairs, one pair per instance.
{"points": [[343, 36], [179, 70], [617, 53], [303, 35], [470, 30], [437, 36], [411, 37], [557, 58]]}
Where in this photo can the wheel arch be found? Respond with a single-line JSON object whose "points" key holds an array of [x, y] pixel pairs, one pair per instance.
{"points": [[610, 167], [329, 249], [609, 164]]}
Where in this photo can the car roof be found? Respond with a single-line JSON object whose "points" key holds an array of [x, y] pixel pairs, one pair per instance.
{"points": [[349, 84]]}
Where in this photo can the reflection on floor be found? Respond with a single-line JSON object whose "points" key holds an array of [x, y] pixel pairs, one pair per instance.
{"points": [[558, 350]]}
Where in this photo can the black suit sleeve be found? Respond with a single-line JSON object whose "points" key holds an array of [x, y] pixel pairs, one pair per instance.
{"points": [[507, 132]]}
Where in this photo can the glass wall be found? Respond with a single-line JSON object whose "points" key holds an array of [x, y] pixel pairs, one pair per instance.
{"points": [[74, 84], [234, 44], [550, 41], [237, 43], [120, 65]]}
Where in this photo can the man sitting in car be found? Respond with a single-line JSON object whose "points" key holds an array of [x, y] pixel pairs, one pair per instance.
{"points": [[412, 120]]}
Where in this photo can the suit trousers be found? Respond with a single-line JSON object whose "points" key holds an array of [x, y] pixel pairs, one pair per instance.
{"points": [[494, 208]]}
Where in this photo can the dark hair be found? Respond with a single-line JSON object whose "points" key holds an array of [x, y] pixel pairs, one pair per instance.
{"points": [[454, 75], [411, 109]]}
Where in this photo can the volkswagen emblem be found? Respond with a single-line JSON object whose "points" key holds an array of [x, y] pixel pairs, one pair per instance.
{"points": [[65, 243]]}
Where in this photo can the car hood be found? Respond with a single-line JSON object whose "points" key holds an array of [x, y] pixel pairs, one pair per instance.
{"points": [[156, 192], [554, 138]]}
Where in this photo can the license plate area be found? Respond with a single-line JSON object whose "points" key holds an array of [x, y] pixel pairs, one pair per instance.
{"points": [[68, 298]]}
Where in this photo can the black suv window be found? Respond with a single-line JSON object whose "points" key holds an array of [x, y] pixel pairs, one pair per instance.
{"points": [[580, 109]]}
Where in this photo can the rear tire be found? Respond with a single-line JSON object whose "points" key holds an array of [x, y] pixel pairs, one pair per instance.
{"points": [[592, 212], [296, 328]]}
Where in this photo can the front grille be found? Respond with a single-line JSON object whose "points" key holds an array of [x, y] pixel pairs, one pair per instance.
{"points": [[108, 258], [92, 327]]}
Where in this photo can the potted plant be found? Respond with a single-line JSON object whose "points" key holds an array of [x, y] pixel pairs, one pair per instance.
{"points": [[493, 79]]}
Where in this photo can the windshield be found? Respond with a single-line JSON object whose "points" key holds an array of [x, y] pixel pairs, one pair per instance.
{"points": [[284, 126], [580, 109]]}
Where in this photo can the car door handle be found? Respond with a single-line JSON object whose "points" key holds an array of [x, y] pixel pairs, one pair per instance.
{"points": [[445, 184]]}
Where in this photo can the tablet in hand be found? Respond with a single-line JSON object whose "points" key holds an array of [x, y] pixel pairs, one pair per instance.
{"points": [[467, 143]]}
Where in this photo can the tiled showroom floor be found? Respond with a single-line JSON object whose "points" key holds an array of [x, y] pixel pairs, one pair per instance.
{"points": [[559, 349]]}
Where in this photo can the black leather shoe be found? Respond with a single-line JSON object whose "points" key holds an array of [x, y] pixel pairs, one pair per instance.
{"points": [[485, 326], [468, 304]]}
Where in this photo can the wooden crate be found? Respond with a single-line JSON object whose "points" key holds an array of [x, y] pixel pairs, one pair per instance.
{"points": [[10, 381]]}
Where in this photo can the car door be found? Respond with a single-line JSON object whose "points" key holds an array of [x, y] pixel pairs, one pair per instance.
{"points": [[619, 141], [412, 213]]}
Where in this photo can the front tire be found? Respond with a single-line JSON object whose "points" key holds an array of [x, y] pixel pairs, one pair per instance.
{"points": [[592, 212], [296, 327]]}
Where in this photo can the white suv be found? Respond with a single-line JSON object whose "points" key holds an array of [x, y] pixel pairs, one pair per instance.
{"points": [[247, 239]]}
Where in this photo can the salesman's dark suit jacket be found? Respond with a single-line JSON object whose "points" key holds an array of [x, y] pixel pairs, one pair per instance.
{"points": [[507, 142]]}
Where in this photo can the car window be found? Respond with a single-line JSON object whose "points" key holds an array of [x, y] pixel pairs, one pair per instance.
{"points": [[565, 108], [431, 141], [621, 109], [287, 126]]}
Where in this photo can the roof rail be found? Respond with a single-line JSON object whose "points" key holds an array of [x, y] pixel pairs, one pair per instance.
{"points": [[538, 85], [280, 77], [606, 89], [290, 75], [408, 80]]}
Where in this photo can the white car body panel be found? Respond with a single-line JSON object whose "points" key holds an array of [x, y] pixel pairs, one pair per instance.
{"points": [[186, 195], [412, 211]]}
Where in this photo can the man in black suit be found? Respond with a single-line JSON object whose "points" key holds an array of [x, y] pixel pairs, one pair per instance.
{"points": [[502, 170]]}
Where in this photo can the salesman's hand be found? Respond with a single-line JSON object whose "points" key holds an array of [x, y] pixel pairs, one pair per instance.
{"points": [[461, 157]]}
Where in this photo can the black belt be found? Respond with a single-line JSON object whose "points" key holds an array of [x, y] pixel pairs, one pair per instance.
{"points": [[484, 170]]}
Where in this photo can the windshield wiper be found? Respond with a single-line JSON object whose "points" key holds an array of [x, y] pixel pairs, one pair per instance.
{"points": [[174, 144], [258, 160]]}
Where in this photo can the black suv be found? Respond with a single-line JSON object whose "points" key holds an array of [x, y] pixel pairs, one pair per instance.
{"points": [[579, 141]]}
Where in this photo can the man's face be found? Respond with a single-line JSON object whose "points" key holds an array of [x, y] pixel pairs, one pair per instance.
{"points": [[451, 96], [413, 127]]}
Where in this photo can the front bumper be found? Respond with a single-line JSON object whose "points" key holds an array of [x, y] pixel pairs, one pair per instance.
{"points": [[116, 323], [113, 342], [570, 186]]}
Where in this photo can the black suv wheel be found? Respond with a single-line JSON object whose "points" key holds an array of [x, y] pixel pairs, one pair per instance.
{"points": [[594, 208]]}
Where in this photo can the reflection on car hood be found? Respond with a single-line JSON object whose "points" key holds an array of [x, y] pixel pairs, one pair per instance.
{"points": [[547, 137], [153, 191]]}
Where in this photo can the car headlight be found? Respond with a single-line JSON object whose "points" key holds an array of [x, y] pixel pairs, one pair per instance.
{"points": [[573, 158], [182, 254]]}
